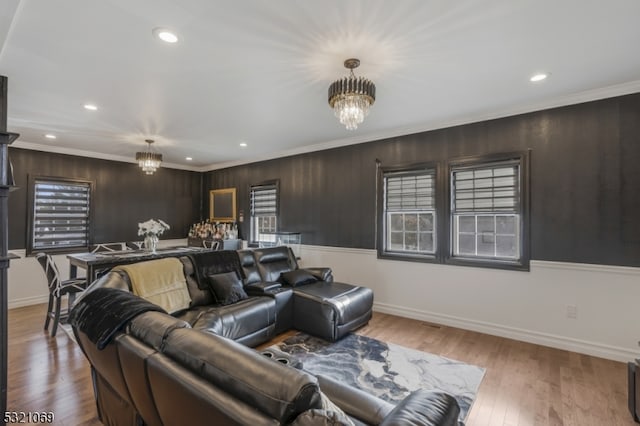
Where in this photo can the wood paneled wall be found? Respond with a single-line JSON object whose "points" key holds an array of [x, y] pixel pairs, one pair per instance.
{"points": [[123, 196], [585, 180]]}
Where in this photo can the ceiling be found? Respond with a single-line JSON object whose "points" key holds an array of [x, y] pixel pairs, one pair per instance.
{"points": [[257, 72]]}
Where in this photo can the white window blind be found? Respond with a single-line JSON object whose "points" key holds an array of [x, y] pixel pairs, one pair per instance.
{"points": [[410, 212], [60, 214], [486, 209], [264, 200], [492, 188]]}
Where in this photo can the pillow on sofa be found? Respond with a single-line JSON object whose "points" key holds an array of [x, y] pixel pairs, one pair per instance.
{"points": [[329, 415], [298, 277], [227, 288]]}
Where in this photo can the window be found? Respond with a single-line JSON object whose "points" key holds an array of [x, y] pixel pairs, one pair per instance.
{"points": [[475, 212], [59, 215], [487, 212], [264, 213], [409, 224]]}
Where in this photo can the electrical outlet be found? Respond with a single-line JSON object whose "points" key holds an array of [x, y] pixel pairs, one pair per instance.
{"points": [[572, 311]]}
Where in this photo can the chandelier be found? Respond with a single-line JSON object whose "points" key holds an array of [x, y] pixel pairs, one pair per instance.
{"points": [[350, 97], [149, 161]]}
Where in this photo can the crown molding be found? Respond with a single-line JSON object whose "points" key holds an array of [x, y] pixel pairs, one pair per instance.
{"points": [[570, 99], [82, 153]]}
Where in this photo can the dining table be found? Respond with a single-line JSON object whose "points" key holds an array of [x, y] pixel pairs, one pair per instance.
{"points": [[95, 264]]}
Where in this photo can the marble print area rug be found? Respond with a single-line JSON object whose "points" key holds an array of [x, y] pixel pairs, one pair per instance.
{"points": [[385, 370]]}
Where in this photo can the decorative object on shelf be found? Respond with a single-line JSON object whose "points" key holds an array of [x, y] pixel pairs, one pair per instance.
{"points": [[149, 161], [151, 230], [350, 97], [214, 230]]}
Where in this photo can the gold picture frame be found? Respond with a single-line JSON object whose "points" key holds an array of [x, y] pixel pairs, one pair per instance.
{"points": [[222, 205]]}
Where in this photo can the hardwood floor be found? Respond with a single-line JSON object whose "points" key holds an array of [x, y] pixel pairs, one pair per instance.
{"points": [[524, 384]]}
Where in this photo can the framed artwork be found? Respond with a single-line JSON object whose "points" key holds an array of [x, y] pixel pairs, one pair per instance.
{"points": [[222, 205]]}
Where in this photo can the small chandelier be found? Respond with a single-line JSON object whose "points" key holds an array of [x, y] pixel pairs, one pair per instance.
{"points": [[149, 161], [350, 97]]}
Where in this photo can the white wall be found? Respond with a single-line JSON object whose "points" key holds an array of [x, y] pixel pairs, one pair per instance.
{"points": [[28, 284], [528, 306]]}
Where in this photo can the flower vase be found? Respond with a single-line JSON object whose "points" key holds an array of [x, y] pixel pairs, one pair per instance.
{"points": [[151, 243]]}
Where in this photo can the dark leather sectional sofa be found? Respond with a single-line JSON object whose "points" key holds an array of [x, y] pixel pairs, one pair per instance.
{"points": [[195, 367]]}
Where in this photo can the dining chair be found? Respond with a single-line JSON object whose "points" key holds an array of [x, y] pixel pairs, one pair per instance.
{"points": [[57, 289], [101, 248], [133, 245], [212, 244]]}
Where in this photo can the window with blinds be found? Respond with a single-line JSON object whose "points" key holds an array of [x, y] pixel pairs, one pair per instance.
{"points": [[485, 211], [409, 209], [60, 216], [264, 212]]}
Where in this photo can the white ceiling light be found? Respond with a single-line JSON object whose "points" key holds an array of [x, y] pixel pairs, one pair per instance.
{"points": [[188, 158], [538, 77], [90, 107], [243, 144], [50, 136], [165, 35]]}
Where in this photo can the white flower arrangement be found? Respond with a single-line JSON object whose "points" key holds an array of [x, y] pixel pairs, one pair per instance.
{"points": [[152, 227]]}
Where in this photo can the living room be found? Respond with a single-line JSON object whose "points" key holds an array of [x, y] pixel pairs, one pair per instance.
{"points": [[573, 284]]}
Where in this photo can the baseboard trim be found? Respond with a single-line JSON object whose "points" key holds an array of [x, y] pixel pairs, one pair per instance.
{"points": [[559, 342], [27, 301]]}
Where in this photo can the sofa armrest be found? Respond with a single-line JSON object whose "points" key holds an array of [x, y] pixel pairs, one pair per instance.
{"points": [[322, 274], [261, 288], [423, 407], [354, 402]]}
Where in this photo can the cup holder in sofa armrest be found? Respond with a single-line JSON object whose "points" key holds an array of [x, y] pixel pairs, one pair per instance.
{"points": [[282, 358]]}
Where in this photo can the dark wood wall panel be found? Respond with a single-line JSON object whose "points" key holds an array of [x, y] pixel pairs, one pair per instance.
{"points": [[585, 178], [123, 195]]}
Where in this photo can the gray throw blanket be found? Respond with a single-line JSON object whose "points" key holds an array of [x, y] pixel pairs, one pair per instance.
{"points": [[102, 312]]}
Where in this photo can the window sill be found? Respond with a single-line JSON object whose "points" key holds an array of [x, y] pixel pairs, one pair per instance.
{"points": [[517, 265], [408, 257]]}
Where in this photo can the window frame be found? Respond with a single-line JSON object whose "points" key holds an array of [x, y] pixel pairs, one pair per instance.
{"points": [[382, 214], [523, 161], [253, 237], [444, 212], [31, 193]]}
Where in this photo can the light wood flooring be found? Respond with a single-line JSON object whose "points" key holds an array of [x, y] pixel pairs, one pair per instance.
{"points": [[524, 384]]}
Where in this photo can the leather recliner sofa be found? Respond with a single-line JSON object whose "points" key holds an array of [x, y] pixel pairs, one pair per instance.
{"points": [[157, 370], [318, 306]]}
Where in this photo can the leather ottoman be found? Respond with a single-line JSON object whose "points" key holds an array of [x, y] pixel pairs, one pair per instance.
{"points": [[331, 310]]}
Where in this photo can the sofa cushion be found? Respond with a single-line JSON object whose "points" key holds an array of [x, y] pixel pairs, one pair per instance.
{"points": [[277, 390], [298, 277], [199, 297], [227, 288], [238, 320], [273, 261]]}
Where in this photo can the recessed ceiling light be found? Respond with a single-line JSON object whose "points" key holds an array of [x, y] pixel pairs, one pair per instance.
{"points": [[165, 35], [188, 158], [50, 136], [90, 107], [538, 77], [243, 144]]}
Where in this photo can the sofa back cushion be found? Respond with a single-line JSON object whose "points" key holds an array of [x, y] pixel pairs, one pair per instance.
{"points": [[199, 297], [249, 267], [277, 390], [273, 261]]}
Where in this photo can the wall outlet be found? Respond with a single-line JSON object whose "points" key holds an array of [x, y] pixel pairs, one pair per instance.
{"points": [[572, 311]]}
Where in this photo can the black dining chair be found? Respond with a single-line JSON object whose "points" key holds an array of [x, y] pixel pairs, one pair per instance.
{"points": [[57, 289]]}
